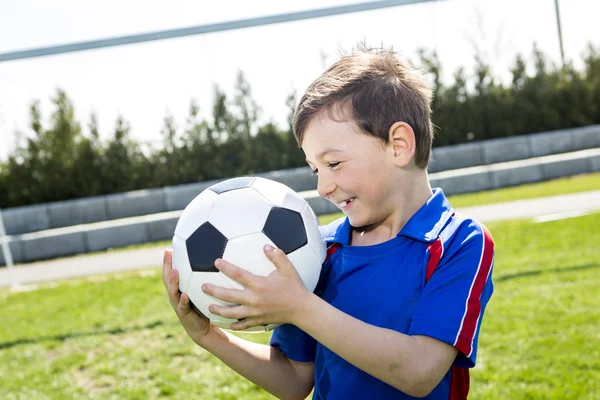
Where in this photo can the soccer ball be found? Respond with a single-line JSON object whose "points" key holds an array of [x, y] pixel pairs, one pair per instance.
{"points": [[233, 220]]}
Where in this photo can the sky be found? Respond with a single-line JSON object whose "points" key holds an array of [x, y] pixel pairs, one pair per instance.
{"points": [[144, 82]]}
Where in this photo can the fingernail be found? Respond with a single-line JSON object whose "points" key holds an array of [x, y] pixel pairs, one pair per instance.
{"points": [[172, 273], [218, 262], [269, 248], [204, 288]]}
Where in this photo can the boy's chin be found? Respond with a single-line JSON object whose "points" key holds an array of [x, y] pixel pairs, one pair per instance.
{"points": [[355, 222]]}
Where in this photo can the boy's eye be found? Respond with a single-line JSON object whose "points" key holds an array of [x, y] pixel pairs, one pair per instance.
{"points": [[329, 165]]}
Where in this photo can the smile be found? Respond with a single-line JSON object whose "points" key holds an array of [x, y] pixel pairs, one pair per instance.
{"points": [[345, 203]]}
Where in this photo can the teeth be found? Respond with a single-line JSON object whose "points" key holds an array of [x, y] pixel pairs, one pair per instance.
{"points": [[344, 203]]}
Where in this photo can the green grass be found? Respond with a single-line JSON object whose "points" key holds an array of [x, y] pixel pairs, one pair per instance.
{"points": [[105, 337], [574, 184], [115, 336], [541, 330]]}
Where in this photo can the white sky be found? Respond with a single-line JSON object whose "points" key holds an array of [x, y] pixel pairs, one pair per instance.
{"points": [[143, 81]]}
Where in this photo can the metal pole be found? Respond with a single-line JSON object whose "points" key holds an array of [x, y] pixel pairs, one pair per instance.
{"points": [[560, 40], [8, 260], [209, 28]]}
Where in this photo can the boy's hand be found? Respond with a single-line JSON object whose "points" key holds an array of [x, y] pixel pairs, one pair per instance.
{"points": [[195, 325], [274, 299]]}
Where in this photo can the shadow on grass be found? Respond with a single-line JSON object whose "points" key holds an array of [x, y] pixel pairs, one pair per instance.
{"points": [[62, 338], [545, 271]]}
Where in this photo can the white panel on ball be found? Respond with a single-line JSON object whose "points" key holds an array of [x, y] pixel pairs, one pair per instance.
{"points": [[220, 321], [279, 194], [200, 299], [247, 252], [181, 263], [195, 214], [239, 212], [294, 201], [311, 222], [308, 265]]}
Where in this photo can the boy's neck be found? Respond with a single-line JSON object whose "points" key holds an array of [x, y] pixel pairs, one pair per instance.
{"points": [[416, 192]]}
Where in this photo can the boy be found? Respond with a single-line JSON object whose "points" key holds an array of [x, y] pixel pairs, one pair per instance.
{"points": [[397, 311]]}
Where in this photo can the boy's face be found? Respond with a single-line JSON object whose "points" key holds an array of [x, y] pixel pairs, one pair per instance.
{"points": [[354, 169]]}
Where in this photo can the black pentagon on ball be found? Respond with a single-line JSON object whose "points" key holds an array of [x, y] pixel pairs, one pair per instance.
{"points": [[204, 246], [232, 184], [286, 229]]}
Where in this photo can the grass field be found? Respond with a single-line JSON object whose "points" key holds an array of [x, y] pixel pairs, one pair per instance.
{"points": [[115, 336]]}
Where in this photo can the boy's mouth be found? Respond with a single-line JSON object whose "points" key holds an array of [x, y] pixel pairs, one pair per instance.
{"points": [[345, 203]]}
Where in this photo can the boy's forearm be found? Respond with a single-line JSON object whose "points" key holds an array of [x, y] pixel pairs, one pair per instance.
{"points": [[262, 364], [400, 360]]}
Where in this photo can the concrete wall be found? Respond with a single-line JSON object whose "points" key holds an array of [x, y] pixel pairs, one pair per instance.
{"points": [[21, 220], [456, 157], [26, 219], [15, 250], [75, 212], [92, 237], [487, 177], [514, 148], [160, 226]]}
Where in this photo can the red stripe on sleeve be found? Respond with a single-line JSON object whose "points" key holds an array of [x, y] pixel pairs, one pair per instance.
{"points": [[436, 249], [332, 249], [466, 333]]}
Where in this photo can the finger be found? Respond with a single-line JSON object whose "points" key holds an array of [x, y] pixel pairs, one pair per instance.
{"points": [[184, 305], [234, 296], [246, 323], [167, 265], [277, 257], [236, 273], [231, 312], [173, 286]]}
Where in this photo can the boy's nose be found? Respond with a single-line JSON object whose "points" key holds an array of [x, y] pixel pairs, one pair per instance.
{"points": [[325, 186]]}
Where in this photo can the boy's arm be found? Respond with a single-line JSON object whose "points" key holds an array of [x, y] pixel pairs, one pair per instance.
{"points": [[445, 323], [413, 364], [264, 365], [446, 320]]}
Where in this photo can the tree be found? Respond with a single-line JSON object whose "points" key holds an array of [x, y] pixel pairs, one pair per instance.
{"points": [[87, 162], [57, 160], [125, 166], [294, 156], [49, 155]]}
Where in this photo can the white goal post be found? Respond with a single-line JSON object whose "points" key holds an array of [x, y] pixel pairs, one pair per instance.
{"points": [[8, 260]]}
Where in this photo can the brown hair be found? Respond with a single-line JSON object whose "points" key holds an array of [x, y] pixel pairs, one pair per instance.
{"points": [[374, 89]]}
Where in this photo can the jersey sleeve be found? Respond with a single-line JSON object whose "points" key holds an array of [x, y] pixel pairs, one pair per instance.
{"points": [[294, 343], [452, 303]]}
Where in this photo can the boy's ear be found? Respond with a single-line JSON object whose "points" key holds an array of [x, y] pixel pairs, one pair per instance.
{"points": [[402, 142]]}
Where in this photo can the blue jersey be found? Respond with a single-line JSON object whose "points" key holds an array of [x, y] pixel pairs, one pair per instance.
{"points": [[432, 279]]}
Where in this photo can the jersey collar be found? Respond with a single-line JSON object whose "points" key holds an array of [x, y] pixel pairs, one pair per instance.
{"points": [[425, 225]]}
